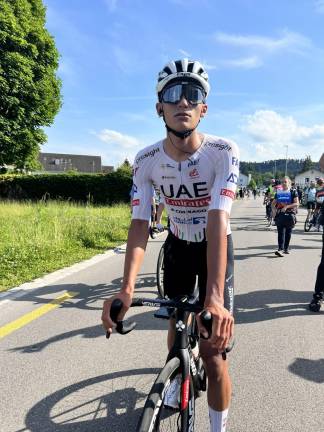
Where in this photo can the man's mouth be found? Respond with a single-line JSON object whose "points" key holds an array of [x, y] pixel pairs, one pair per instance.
{"points": [[183, 114]]}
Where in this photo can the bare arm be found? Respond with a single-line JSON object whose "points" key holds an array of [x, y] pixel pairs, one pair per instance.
{"points": [[159, 213], [136, 245], [223, 321], [216, 255]]}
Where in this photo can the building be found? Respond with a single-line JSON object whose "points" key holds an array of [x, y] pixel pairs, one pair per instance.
{"points": [[61, 162], [244, 180], [303, 179]]}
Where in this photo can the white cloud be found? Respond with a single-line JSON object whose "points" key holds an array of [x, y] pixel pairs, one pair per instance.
{"points": [[116, 138], [270, 132], [184, 53], [288, 41], [319, 6], [117, 146], [239, 63]]}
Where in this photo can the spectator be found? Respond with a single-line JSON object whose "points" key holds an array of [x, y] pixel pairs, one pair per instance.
{"points": [[285, 204]]}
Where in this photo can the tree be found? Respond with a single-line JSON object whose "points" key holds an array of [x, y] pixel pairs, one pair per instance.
{"points": [[30, 91], [307, 164], [125, 168], [252, 184]]}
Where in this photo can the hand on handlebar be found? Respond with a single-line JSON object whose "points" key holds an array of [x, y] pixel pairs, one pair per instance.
{"points": [[107, 321], [222, 326]]}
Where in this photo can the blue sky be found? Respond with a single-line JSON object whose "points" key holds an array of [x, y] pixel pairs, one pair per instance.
{"points": [[265, 61]]}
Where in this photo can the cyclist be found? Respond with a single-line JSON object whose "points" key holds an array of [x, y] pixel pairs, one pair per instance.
{"points": [[310, 192], [197, 175]]}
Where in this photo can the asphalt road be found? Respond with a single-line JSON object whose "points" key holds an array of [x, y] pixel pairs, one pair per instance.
{"points": [[60, 374]]}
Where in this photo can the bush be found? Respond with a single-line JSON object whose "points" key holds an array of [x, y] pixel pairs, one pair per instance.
{"points": [[95, 188]]}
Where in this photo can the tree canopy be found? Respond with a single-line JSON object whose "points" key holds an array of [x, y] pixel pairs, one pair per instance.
{"points": [[29, 87]]}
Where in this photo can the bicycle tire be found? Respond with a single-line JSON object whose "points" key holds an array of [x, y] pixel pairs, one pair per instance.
{"points": [[307, 225], [156, 417], [159, 272]]}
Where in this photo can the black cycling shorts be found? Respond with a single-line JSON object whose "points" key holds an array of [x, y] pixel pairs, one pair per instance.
{"points": [[184, 261], [311, 205]]}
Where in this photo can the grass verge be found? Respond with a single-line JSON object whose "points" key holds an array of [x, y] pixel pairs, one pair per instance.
{"points": [[38, 238]]}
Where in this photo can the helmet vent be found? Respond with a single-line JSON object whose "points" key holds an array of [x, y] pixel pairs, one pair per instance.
{"points": [[178, 66]]}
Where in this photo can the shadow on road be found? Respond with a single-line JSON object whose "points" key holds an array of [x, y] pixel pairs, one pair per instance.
{"points": [[271, 304], [145, 321], [110, 402], [310, 370], [89, 295]]}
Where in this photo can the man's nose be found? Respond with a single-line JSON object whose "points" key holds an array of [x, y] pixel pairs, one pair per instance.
{"points": [[183, 101]]}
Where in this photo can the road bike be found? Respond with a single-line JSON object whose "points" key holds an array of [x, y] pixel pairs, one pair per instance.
{"points": [[312, 221], [160, 262], [181, 362]]}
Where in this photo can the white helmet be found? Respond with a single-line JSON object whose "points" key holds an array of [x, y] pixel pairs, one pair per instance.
{"points": [[186, 69]]}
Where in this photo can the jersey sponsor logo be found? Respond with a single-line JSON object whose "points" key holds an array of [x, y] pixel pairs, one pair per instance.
{"points": [[228, 193], [233, 178], [194, 173], [193, 162], [198, 219], [219, 145], [235, 161], [197, 190], [135, 202], [168, 177], [187, 211], [148, 154], [163, 166], [191, 221], [202, 202]]}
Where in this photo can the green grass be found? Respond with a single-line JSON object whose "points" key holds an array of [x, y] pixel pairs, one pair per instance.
{"points": [[37, 238]]}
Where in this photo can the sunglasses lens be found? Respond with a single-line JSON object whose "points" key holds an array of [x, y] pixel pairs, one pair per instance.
{"points": [[193, 94]]}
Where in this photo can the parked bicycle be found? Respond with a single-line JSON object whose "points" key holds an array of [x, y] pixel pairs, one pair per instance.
{"points": [[157, 417]]}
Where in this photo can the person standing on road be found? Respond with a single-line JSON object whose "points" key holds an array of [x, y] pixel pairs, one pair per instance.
{"points": [[197, 175], [285, 204], [318, 296]]}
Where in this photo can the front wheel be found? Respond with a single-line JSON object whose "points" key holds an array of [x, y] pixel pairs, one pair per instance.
{"points": [[307, 225], [160, 272], [156, 416]]}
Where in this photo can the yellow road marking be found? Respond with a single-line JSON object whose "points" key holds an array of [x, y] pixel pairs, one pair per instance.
{"points": [[31, 316]]}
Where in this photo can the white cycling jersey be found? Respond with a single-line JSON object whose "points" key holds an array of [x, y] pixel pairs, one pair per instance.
{"points": [[205, 181]]}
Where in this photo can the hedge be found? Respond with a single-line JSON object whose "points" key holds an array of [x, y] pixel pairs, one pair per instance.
{"points": [[95, 188]]}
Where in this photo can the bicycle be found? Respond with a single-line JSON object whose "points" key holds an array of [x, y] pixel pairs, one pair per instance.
{"points": [[160, 261], [312, 221], [156, 417]]}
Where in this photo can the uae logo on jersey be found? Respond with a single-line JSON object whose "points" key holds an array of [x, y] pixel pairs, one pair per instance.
{"points": [[194, 173]]}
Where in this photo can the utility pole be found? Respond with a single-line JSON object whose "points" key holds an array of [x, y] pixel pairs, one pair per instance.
{"points": [[286, 160]]}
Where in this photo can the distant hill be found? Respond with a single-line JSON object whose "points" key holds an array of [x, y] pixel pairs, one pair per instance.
{"points": [[294, 166]]}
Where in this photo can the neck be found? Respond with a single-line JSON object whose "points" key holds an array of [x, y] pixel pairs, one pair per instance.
{"points": [[181, 149]]}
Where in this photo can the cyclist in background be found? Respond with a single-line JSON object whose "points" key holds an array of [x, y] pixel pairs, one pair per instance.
{"points": [[197, 175], [310, 193], [269, 197]]}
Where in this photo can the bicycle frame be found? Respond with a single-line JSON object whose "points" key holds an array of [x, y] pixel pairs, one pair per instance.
{"points": [[180, 349]]}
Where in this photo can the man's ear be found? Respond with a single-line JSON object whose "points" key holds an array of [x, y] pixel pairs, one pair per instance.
{"points": [[203, 110], [159, 109]]}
